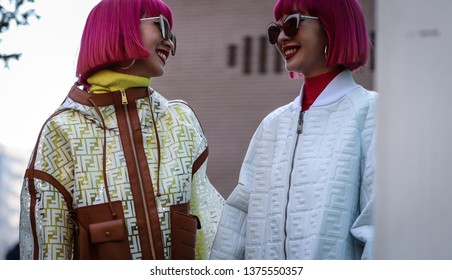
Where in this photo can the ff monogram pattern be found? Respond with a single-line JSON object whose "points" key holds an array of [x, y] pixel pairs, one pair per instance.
{"points": [[305, 197], [70, 150]]}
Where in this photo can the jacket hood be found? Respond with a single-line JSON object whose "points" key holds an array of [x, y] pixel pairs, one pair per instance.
{"points": [[145, 100]]}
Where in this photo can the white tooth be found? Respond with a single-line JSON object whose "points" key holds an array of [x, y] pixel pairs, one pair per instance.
{"points": [[290, 51], [162, 55]]}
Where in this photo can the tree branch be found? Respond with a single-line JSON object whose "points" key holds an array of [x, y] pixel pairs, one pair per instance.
{"points": [[8, 16]]}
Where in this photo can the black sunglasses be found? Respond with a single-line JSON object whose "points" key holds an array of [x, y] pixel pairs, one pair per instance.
{"points": [[165, 30], [290, 27]]}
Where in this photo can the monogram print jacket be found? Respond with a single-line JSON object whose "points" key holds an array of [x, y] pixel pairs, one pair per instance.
{"points": [[133, 148], [306, 187]]}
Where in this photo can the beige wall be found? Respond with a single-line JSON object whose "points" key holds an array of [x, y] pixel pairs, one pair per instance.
{"points": [[229, 103], [413, 194]]}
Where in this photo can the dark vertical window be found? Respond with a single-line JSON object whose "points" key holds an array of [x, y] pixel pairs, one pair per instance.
{"points": [[232, 55], [262, 54], [372, 51], [279, 62], [247, 55], [265, 60]]}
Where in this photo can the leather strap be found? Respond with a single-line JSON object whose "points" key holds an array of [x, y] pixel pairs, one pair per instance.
{"points": [[199, 161], [30, 175], [105, 99]]}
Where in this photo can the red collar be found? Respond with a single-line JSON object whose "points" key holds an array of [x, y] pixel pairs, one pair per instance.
{"points": [[314, 86]]}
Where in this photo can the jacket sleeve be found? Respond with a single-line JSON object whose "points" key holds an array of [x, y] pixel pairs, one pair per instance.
{"points": [[230, 240], [206, 203], [44, 231], [363, 227]]}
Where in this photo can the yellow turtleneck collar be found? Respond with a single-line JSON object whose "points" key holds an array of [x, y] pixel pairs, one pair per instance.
{"points": [[107, 80]]}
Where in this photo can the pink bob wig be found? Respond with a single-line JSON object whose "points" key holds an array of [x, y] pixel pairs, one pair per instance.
{"points": [[112, 34], [344, 24]]}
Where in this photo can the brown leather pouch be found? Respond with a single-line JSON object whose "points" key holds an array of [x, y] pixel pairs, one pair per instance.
{"points": [[99, 235], [108, 231], [183, 232]]}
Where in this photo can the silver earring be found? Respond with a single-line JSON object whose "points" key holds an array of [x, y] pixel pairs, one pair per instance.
{"points": [[127, 67], [326, 51]]}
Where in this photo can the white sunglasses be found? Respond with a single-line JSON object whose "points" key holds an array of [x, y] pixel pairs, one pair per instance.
{"points": [[165, 30]]}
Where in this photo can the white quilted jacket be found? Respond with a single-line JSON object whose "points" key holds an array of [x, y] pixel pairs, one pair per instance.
{"points": [[306, 185]]}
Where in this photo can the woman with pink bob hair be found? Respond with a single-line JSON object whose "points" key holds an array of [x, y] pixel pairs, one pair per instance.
{"points": [[306, 185], [119, 171]]}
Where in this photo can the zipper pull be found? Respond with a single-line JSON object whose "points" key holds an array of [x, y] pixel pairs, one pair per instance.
{"points": [[300, 123], [124, 97]]}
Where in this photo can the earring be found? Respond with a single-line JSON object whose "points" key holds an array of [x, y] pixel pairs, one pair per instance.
{"points": [[127, 67], [326, 51]]}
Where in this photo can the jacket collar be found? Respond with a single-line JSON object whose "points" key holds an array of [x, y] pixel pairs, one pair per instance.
{"points": [[144, 99], [334, 91], [105, 99]]}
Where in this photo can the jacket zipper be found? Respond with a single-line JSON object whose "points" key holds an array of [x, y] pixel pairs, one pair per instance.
{"points": [[129, 127], [299, 131]]}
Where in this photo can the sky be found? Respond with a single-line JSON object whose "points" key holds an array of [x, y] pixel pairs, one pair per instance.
{"points": [[35, 85]]}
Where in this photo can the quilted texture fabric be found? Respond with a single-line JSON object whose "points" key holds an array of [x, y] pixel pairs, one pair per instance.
{"points": [[308, 195], [70, 151]]}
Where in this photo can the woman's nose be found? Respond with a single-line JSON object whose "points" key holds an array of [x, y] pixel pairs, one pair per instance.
{"points": [[167, 43], [282, 37]]}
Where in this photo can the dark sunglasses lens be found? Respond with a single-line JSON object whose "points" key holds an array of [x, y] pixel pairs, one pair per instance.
{"points": [[173, 39], [167, 34], [273, 32], [290, 26], [165, 28]]}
